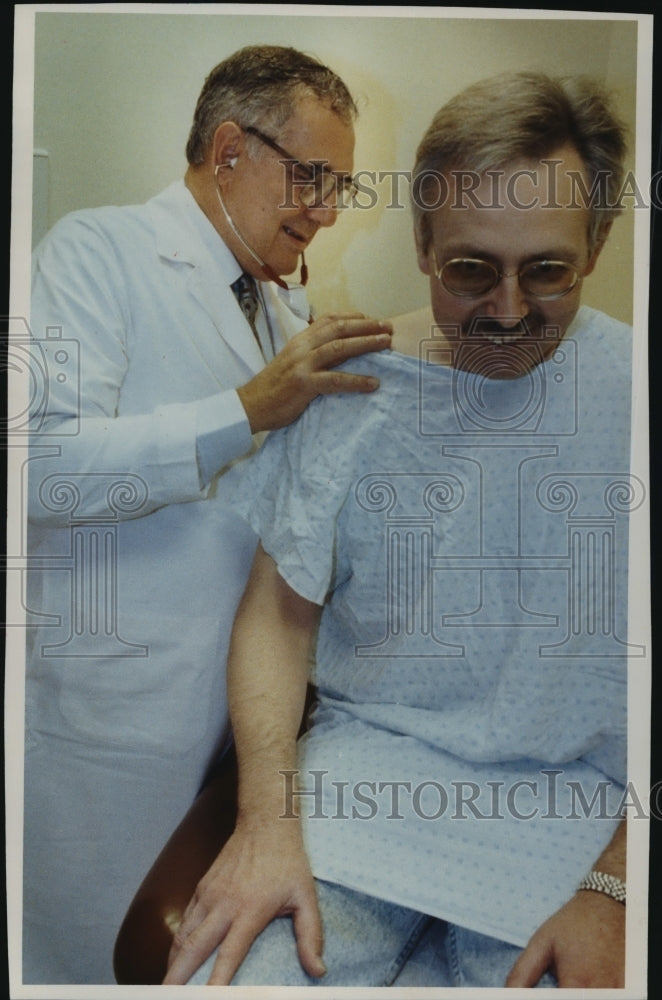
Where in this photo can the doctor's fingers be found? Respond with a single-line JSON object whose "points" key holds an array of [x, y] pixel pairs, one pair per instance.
{"points": [[336, 352], [342, 329]]}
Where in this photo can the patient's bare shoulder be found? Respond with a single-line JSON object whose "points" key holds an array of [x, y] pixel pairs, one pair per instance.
{"points": [[409, 329]]}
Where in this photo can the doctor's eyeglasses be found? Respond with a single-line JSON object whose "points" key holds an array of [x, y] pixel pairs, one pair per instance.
{"points": [[312, 184]]}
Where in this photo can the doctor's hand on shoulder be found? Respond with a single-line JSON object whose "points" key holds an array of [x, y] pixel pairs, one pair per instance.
{"points": [[306, 368]]}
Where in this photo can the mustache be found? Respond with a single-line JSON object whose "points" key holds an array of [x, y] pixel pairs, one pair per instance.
{"points": [[529, 326]]}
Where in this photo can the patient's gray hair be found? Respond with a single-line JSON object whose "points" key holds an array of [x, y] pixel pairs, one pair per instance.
{"points": [[525, 115]]}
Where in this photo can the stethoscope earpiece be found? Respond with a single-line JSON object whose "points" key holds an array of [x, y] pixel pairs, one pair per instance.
{"points": [[228, 163]]}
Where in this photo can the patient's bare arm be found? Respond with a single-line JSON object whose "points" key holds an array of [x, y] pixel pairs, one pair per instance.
{"points": [[244, 890]]}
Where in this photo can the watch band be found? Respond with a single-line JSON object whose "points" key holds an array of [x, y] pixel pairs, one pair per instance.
{"points": [[608, 884]]}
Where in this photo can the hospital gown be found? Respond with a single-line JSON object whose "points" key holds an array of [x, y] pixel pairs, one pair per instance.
{"points": [[467, 539]]}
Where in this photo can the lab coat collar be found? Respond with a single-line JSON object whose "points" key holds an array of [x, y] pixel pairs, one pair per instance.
{"points": [[185, 236]]}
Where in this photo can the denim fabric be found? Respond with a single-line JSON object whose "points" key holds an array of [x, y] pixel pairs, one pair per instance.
{"points": [[369, 942], [448, 955]]}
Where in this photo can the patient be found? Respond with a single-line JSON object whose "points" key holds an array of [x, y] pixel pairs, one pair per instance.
{"points": [[454, 551]]}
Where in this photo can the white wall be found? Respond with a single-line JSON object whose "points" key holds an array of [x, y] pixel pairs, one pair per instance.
{"points": [[114, 95]]}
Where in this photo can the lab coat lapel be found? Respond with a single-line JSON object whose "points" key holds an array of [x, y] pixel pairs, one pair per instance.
{"points": [[211, 289], [178, 241]]}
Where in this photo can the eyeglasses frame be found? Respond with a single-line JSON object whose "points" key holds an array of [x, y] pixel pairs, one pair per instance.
{"points": [[502, 274], [340, 181]]}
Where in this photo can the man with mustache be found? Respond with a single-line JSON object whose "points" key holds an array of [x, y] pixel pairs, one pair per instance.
{"points": [[454, 815]]}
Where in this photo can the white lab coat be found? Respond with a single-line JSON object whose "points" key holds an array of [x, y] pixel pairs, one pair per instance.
{"points": [[136, 566]]}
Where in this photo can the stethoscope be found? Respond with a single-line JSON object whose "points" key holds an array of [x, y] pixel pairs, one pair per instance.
{"points": [[271, 275]]}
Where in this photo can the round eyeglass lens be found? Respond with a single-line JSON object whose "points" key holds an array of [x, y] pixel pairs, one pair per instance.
{"points": [[548, 278], [469, 277]]}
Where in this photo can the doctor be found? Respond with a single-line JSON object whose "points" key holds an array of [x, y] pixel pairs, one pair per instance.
{"points": [[155, 386]]}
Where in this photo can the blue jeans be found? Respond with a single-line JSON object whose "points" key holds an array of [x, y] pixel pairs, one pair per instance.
{"points": [[369, 942]]}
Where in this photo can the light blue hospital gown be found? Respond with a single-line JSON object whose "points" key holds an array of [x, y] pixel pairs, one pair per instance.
{"points": [[467, 538]]}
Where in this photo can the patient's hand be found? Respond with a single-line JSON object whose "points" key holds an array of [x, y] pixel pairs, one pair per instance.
{"points": [[261, 873], [583, 944]]}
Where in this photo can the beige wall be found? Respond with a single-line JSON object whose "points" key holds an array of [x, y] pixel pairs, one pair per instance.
{"points": [[114, 95]]}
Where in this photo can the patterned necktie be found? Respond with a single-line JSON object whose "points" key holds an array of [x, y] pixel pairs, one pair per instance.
{"points": [[246, 295], [245, 291]]}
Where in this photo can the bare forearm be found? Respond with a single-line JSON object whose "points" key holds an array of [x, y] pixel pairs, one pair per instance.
{"points": [[612, 861], [267, 676], [243, 890]]}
